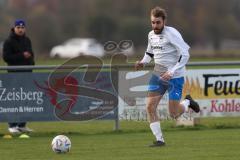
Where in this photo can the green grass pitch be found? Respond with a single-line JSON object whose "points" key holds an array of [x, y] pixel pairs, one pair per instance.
{"points": [[213, 139]]}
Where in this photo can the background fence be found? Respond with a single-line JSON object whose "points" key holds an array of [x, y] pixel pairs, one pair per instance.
{"points": [[36, 97]]}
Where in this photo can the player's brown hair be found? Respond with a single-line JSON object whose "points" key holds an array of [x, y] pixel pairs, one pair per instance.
{"points": [[159, 12]]}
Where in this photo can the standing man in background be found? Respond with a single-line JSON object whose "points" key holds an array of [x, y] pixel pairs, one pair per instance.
{"points": [[17, 50], [170, 53]]}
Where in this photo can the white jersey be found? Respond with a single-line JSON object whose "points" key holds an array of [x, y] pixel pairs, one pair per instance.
{"points": [[169, 50]]}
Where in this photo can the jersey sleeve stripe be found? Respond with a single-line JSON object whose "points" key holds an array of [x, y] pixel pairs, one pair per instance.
{"points": [[180, 58], [150, 54]]}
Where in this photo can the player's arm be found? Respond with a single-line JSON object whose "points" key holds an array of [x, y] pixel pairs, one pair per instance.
{"points": [[182, 47], [146, 58], [182, 61]]}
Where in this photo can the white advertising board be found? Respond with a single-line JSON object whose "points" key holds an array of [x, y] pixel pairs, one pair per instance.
{"points": [[216, 90]]}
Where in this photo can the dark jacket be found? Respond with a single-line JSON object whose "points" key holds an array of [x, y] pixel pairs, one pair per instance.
{"points": [[13, 49]]}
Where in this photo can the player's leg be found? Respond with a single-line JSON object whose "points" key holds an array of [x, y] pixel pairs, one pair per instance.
{"points": [[153, 100], [157, 88], [175, 95], [177, 108]]}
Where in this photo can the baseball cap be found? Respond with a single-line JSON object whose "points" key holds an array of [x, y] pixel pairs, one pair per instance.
{"points": [[19, 22]]}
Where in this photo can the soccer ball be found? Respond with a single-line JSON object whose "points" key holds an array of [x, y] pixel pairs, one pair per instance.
{"points": [[61, 144]]}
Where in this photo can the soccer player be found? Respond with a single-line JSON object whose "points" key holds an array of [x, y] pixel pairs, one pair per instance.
{"points": [[170, 53]]}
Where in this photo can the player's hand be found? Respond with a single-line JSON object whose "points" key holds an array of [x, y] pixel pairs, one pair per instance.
{"points": [[167, 76], [26, 54], [138, 65]]}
